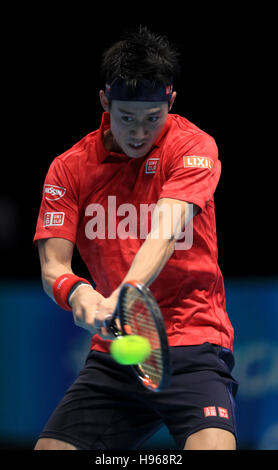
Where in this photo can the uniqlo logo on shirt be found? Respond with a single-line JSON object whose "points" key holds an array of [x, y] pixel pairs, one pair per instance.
{"points": [[53, 218], [210, 411], [151, 165], [197, 162], [223, 413]]}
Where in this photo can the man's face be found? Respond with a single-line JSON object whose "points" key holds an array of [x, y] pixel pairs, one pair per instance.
{"points": [[136, 125]]}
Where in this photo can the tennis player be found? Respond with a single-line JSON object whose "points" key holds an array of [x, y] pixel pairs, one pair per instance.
{"points": [[101, 195]]}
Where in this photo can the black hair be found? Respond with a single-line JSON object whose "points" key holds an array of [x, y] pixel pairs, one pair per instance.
{"points": [[140, 55]]}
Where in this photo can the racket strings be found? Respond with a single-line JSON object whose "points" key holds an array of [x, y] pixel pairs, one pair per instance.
{"points": [[140, 321]]}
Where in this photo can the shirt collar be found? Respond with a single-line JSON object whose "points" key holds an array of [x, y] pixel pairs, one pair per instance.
{"points": [[103, 153]]}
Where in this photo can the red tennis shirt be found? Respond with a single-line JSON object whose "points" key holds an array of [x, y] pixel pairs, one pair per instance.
{"points": [[99, 200]]}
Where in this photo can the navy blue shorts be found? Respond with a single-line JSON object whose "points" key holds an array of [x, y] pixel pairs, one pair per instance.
{"points": [[108, 409]]}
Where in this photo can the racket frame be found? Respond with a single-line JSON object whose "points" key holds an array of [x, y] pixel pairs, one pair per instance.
{"points": [[110, 324]]}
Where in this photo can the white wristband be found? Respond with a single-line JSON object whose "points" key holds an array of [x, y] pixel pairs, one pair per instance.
{"points": [[77, 287]]}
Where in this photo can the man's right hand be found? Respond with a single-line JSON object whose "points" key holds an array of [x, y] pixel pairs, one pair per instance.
{"points": [[85, 302], [55, 257]]}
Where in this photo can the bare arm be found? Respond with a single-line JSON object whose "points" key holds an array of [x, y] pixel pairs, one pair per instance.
{"points": [[158, 246], [55, 258], [169, 219]]}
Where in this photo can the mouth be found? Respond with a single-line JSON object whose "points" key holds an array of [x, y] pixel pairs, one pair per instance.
{"points": [[137, 146]]}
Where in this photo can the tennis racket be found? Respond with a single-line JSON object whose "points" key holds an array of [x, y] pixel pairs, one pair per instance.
{"points": [[139, 314]]}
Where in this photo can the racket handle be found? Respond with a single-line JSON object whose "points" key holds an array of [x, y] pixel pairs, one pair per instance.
{"points": [[107, 321], [110, 325]]}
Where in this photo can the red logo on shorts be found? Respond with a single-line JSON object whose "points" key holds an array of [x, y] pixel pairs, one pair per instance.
{"points": [[223, 413], [210, 411]]}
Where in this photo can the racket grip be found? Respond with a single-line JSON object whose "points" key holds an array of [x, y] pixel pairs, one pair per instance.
{"points": [[110, 325], [108, 321]]}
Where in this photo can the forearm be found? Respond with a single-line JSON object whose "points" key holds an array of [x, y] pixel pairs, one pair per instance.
{"points": [[55, 258], [50, 272], [158, 248], [150, 260]]}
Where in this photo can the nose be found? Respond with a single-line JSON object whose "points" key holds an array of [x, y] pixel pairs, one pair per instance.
{"points": [[139, 132]]}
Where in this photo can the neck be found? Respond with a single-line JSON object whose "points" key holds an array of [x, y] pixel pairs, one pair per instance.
{"points": [[110, 143]]}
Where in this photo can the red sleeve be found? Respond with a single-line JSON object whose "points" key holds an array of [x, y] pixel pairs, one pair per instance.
{"points": [[58, 215], [193, 174]]}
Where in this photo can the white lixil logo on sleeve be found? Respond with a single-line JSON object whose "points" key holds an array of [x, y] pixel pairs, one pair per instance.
{"points": [[193, 161]]}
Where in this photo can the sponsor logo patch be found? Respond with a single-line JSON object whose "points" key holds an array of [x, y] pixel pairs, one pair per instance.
{"points": [[223, 412], [151, 165], [210, 411], [213, 411], [193, 161], [53, 218], [53, 193]]}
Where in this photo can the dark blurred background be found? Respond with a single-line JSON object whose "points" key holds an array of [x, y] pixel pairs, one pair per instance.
{"points": [[50, 62]]}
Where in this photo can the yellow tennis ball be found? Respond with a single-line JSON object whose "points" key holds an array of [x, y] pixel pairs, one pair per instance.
{"points": [[131, 349]]}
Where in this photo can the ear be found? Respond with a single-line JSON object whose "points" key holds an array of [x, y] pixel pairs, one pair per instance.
{"points": [[104, 101], [174, 94]]}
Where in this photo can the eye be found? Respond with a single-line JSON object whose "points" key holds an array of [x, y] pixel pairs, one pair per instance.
{"points": [[153, 118], [127, 118]]}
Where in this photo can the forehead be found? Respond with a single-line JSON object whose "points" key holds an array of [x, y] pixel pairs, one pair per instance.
{"points": [[140, 107]]}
